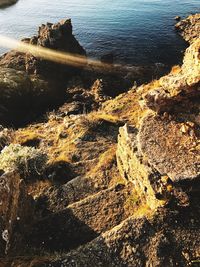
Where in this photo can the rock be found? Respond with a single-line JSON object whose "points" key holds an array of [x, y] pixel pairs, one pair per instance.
{"points": [[161, 155], [52, 36], [189, 28], [163, 240], [16, 209], [177, 86], [177, 18], [79, 223], [29, 85], [28, 161], [170, 147], [132, 167], [57, 37], [5, 3]]}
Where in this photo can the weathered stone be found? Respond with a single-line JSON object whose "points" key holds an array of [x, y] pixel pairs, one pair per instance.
{"points": [[82, 221], [177, 86], [167, 239], [52, 36], [15, 212], [131, 166], [189, 28], [171, 147]]}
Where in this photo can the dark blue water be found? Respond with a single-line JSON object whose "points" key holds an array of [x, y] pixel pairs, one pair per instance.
{"points": [[136, 31]]}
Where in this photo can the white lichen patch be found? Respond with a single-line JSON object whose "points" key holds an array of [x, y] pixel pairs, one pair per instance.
{"points": [[28, 161]]}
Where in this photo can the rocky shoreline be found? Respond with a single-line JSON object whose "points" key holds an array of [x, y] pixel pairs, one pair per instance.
{"points": [[111, 177]]}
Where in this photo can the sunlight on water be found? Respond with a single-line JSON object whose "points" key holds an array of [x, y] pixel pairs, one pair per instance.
{"points": [[136, 31]]}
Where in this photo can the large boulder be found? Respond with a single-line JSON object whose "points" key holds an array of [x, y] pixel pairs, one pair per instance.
{"points": [[161, 154], [58, 37]]}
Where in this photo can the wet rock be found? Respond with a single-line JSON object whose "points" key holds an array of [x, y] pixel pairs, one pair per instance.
{"points": [[177, 18]]}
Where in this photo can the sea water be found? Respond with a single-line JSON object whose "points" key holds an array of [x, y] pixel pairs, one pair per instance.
{"points": [[135, 31]]}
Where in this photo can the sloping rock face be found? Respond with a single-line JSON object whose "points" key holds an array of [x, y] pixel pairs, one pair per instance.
{"points": [[164, 149]]}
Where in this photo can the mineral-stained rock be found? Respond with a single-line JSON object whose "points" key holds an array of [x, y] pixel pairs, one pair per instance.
{"points": [[15, 212]]}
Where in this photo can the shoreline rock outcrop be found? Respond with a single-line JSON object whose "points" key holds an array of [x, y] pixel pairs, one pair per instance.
{"points": [[121, 185], [189, 28], [162, 154]]}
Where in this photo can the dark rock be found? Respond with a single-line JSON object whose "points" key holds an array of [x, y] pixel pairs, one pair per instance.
{"points": [[5, 3], [177, 18], [16, 209]]}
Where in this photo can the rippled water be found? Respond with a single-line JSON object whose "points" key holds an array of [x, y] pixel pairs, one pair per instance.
{"points": [[136, 31]]}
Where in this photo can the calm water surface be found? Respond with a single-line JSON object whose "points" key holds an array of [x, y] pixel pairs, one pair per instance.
{"points": [[136, 31]]}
